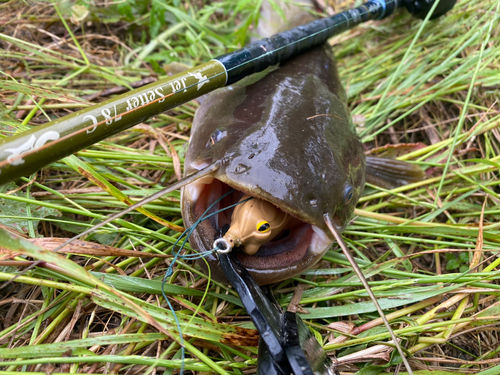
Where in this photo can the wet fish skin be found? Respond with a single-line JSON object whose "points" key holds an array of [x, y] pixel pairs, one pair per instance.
{"points": [[287, 139]]}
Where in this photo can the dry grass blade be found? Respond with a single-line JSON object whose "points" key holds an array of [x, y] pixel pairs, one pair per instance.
{"points": [[428, 95], [90, 248]]}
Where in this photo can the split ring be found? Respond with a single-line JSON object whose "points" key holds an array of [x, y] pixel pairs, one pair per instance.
{"points": [[222, 246]]}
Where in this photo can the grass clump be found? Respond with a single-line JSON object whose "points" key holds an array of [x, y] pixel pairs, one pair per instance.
{"points": [[426, 93]]}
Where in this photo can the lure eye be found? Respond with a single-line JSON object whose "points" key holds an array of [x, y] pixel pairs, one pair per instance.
{"points": [[263, 226], [348, 193]]}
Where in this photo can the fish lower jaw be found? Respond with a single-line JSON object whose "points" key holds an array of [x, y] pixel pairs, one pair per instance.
{"points": [[297, 248]]}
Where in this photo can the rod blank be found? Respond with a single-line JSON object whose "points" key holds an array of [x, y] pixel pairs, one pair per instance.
{"points": [[27, 152]]}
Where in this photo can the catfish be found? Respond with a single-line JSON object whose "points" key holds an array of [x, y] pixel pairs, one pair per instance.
{"points": [[285, 137]]}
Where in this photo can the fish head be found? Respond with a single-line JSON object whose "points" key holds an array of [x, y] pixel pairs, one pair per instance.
{"points": [[286, 140]]}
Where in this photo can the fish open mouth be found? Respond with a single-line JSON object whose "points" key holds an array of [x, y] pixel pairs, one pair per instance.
{"points": [[297, 247]]}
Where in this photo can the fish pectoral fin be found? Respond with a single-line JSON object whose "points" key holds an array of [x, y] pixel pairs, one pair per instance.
{"points": [[391, 173]]}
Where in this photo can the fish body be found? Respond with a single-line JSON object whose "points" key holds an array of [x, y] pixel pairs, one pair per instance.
{"points": [[285, 137]]}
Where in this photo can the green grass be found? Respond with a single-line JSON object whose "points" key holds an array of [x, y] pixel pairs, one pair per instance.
{"points": [[429, 249]]}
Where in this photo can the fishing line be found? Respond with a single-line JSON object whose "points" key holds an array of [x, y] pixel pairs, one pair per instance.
{"points": [[186, 235], [382, 3], [15, 159]]}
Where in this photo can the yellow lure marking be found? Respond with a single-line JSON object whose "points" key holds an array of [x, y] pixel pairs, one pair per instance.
{"points": [[263, 226]]}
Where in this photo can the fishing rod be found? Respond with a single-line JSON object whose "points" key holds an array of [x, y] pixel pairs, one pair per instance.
{"points": [[27, 152]]}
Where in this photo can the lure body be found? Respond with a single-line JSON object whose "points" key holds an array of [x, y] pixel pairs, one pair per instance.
{"points": [[255, 222], [284, 137]]}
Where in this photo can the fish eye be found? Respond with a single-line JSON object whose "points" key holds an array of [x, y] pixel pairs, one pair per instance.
{"points": [[216, 137], [348, 193], [263, 226]]}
